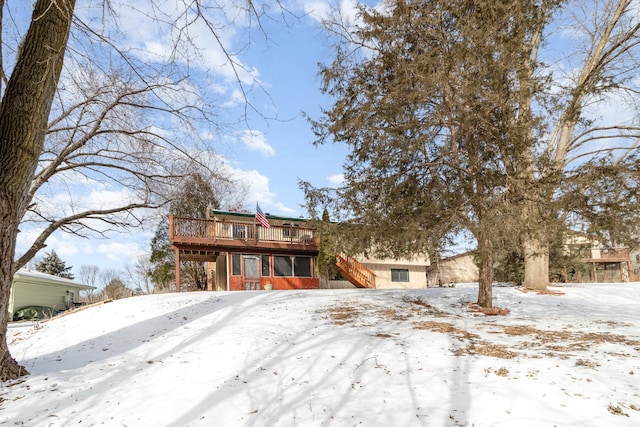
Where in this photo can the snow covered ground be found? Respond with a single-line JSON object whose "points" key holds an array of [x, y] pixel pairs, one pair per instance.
{"points": [[334, 358]]}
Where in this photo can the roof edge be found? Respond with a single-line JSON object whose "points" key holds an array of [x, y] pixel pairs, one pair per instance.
{"points": [[250, 215]]}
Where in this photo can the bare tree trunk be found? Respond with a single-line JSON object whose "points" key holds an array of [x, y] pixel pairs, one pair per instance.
{"points": [[485, 279], [24, 112], [536, 264], [9, 368], [535, 247]]}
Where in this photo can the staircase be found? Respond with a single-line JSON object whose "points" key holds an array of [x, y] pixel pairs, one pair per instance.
{"points": [[355, 272]]}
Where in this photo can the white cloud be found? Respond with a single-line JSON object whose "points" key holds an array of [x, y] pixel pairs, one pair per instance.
{"points": [[63, 244], [256, 141], [63, 201], [155, 28], [317, 9], [256, 184], [321, 10], [256, 189], [336, 179], [120, 252], [281, 208]]}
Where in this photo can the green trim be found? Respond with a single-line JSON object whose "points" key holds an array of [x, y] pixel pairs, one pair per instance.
{"points": [[252, 215]]}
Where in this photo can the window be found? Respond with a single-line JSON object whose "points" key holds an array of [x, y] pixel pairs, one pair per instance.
{"points": [[282, 266], [266, 270], [242, 231], [302, 266], [292, 266], [399, 275], [290, 230], [236, 267]]}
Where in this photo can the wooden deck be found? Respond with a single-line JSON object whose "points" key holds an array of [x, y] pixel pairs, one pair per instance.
{"points": [[198, 239]]}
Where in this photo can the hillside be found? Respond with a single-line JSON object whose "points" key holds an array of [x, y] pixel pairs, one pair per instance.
{"points": [[339, 358]]}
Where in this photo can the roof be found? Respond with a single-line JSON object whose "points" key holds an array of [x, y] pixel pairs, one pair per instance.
{"points": [[252, 215], [37, 277]]}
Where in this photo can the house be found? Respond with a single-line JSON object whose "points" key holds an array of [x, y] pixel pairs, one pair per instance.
{"points": [[595, 263], [33, 288], [243, 255]]}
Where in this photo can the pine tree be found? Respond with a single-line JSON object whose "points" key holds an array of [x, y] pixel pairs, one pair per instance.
{"points": [[162, 258], [52, 264], [326, 260], [196, 194], [434, 109]]}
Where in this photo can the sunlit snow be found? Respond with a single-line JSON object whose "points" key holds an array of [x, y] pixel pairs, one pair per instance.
{"points": [[334, 358]]}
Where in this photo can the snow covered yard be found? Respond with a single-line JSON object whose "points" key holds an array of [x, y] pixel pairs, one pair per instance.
{"points": [[334, 358]]}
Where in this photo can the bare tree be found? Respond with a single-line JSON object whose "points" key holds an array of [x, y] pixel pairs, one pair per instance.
{"points": [[139, 274], [571, 167], [90, 275], [122, 116], [25, 107]]}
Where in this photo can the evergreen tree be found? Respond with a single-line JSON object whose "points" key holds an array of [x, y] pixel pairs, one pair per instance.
{"points": [[162, 271], [196, 194], [326, 260], [52, 264], [429, 99], [454, 122]]}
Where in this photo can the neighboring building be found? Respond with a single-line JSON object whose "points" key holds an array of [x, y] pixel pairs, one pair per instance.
{"points": [[459, 268], [33, 288], [596, 264], [635, 264]]}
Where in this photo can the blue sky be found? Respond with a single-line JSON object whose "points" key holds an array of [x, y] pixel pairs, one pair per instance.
{"points": [[268, 155]]}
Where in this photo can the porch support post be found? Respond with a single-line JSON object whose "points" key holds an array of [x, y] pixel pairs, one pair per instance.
{"points": [[177, 251]]}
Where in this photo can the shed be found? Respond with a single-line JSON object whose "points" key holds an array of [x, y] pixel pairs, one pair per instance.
{"points": [[459, 268], [36, 288]]}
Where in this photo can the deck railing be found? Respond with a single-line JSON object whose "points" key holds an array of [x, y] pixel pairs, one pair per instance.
{"points": [[614, 253], [180, 227], [356, 272]]}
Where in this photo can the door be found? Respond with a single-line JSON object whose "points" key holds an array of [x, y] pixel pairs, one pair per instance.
{"points": [[251, 273]]}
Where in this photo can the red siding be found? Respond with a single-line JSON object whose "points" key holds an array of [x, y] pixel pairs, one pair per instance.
{"points": [[236, 283]]}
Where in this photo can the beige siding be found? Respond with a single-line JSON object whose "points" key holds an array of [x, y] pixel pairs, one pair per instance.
{"points": [[382, 269], [456, 269], [417, 275]]}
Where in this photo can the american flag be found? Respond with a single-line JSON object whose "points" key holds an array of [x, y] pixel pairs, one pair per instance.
{"points": [[262, 220]]}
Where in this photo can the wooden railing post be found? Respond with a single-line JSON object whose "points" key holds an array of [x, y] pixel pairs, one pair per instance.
{"points": [[177, 251]]}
